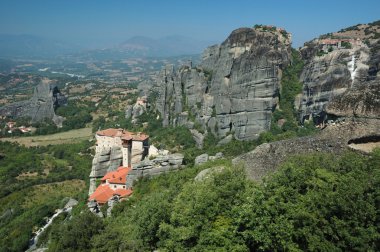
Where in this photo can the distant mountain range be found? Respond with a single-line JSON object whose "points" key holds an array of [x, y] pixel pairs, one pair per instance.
{"points": [[30, 46], [166, 46]]}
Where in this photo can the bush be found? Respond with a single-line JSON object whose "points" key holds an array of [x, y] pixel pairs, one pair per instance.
{"points": [[76, 234], [346, 45]]}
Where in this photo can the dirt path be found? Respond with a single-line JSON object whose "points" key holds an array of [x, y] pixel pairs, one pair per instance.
{"points": [[71, 136]]}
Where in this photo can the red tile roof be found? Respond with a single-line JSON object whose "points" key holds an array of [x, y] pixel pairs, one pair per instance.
{"points": [[117, 177], [103, 193], [109, 132], [123, 134], [123, 192]]}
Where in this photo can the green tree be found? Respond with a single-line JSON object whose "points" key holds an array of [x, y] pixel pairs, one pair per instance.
{"points": [[76, 234]]}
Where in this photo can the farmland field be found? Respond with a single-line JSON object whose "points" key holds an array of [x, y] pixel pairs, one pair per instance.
{"points": [[71, 136]]}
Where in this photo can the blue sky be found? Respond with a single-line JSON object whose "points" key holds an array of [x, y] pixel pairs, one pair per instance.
{"points": [[100, 23]]}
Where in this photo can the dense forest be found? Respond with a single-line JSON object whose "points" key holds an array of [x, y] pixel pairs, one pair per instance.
{"points": [[33, 183], [315, 202]]}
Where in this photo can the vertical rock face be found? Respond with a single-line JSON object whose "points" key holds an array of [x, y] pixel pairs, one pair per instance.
{"points": [[235, 88], [342, 80], [246, 79], [46, 97]]}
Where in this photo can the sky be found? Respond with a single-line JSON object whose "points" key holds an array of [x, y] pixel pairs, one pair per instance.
{"points": [[95, 23]]}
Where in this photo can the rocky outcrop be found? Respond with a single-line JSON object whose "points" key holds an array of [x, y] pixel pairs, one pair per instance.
{"points": [[159, 165], [208, 173], [105, 160], [203, 158], [341, 77], [266, 158], [46, 98], [134, 111], [94, 207], [233, 91], [361, 101], [198, 138]]}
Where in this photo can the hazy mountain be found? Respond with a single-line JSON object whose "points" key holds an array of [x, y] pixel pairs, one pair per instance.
{"points": [[166, 46], [29, 46], [141, 46]]}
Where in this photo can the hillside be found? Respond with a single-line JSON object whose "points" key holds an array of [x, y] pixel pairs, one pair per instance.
{"points": [[34, 183]]}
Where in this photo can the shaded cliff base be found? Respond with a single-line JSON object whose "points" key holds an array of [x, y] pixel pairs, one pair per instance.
{"points": [[359, 135]]}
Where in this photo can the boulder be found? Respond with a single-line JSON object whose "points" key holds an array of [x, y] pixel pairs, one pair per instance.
{"points": [[71, 203], [176, 159], [207, 173], [218, 155], [201, 159], [225, 140], [198, 138]]}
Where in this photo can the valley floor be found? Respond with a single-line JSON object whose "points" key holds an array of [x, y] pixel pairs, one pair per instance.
{"points": [[72, 136]]}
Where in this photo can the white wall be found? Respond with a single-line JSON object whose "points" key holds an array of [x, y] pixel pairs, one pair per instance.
{"points": [[125, 157], [117, 186]]}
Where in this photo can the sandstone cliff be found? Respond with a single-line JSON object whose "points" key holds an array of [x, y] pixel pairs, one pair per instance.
{"points": [[233, 91], [341, 76], [46, 97], [340, 79]]}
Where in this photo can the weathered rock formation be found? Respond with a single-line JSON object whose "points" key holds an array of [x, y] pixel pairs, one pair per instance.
{"points": [[203, 158], [159, 165], [136, 110], [361, 101], [342, 81], [46, 98], [267, 158], [233, 91], [208, 173], [104, 161]]}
